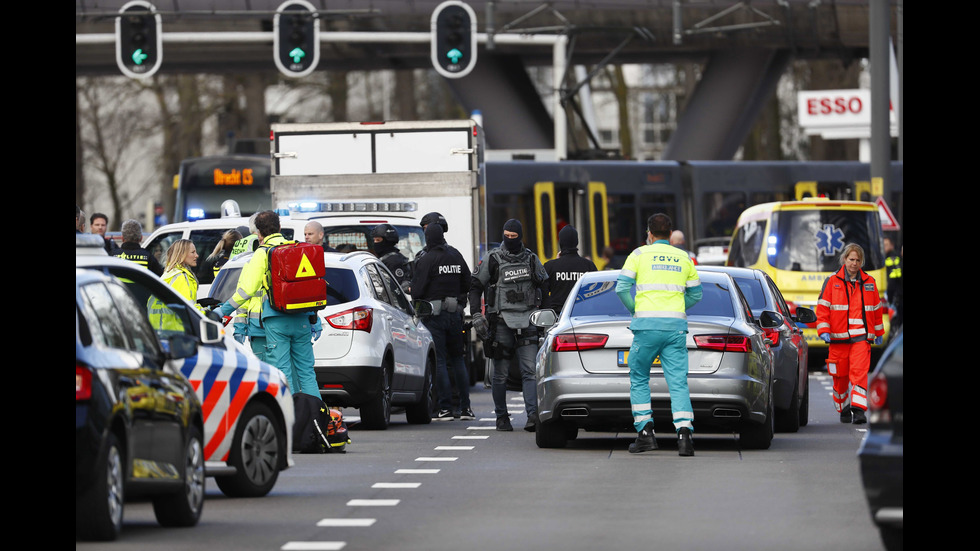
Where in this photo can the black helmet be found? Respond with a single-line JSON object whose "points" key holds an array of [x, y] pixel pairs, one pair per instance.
{"points": [[386, 232], [435, 217]]}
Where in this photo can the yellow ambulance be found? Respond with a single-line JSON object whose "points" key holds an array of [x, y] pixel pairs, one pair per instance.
{"points": [[798, 243]]}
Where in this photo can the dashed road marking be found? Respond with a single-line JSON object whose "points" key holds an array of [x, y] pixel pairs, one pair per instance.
{"points": [[442, 448], [483, 437], [341, 522], [373, 502], [416, 471], [396, 484], [436, 458], [314, 546]]}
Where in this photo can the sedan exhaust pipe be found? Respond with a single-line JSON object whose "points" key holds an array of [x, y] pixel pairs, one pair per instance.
{"points": [[726, 413], [575, 412]]}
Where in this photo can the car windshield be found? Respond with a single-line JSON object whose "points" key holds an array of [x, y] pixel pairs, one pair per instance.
{"points": [[341, 285], [811, 240], [599, 299], [753, 292]]}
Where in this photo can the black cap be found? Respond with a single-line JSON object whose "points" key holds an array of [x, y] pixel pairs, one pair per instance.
{"points": [[567, 238]]}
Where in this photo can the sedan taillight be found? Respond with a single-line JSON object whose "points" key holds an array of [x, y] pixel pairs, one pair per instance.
{"points": [[83, 383], [772, 334], [878, 400], [356, 319], [724, 343], [578, 342]]}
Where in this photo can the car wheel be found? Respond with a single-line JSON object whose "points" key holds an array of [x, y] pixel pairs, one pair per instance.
{"points": [[376, 414], [183, 508], [254, 454], [550, 435], [788, 420], [421, 413], [99, 511], [805, 403], [758, 436]]}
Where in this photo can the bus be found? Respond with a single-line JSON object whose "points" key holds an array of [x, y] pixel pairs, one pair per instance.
{"points": [[204, 183]]}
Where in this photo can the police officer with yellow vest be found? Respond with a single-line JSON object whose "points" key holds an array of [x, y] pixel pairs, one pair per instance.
{"points": [[667, 284], [132, 233], [895, 291]]}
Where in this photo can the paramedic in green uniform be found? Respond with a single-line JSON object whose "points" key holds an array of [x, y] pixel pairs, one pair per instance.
{"points": [[667, 284]]}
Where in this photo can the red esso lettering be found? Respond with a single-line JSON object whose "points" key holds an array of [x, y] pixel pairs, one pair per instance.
{"points": [[811, 106], [855, 105], [837, 105]]}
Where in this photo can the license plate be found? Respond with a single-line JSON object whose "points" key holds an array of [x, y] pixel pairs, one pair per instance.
{"points": [[624, 359]]}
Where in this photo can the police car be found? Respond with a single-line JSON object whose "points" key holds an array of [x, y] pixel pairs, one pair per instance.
{"points": [[347, 227], [248, 407]]}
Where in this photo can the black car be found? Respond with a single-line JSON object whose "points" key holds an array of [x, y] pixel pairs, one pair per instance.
{"points": [[882, 451], [138, 423]]}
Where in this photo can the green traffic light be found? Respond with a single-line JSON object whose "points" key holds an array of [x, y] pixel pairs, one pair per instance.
{"points": [[297, 55], [454, 55], [139, 57]]}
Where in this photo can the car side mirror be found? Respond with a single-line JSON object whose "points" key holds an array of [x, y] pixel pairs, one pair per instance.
{"points": [[212, 332], [769, 320], [805, 315], [543, 318]]}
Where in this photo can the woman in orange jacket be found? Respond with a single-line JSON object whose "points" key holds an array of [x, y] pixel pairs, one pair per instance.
{"points": [[849, 314]]}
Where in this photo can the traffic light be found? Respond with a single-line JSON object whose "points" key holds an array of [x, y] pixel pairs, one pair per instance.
{"points": [[453, 39], [139, 39], [297, 38]]}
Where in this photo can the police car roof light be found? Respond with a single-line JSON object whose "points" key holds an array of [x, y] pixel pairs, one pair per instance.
{"points": [[230, 209], [360, 206], [195, 213]]}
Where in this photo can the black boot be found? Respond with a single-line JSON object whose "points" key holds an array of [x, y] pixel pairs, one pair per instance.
{"points": [[685, 443], [845, 414], [859, 417], [645, 441]]}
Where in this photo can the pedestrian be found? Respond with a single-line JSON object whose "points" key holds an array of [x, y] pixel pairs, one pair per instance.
{"points": [[678, 240], [313, 233], [385, 238], [248, 243], [442, 278], [179, 274], [99, 223], [667, 285], [849, 319], [607, 260], [564, 271], [218, 257], [287, 337], [132, 233], [512, 281], [895, 292]]}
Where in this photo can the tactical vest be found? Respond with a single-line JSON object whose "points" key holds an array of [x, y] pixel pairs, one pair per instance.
{"points": [[515, 293]]}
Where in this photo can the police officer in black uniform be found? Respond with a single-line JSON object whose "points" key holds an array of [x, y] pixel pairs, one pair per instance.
{"points": [[514, 283], [432, 217], [132, 233], [565, 270], [442, 278], [385, 241]]}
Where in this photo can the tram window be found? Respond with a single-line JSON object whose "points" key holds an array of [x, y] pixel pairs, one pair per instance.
{"points": [[720, 212], [623, 223]]}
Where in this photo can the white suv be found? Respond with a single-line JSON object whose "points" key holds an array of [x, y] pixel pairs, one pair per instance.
{"points": [[374, 352]]}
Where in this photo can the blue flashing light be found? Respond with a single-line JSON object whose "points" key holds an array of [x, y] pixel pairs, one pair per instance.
{"points": [[195, 214]]}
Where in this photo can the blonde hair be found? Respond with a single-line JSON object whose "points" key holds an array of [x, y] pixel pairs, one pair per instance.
{"points": [[226, 244], [848, 249], [178, 252]]}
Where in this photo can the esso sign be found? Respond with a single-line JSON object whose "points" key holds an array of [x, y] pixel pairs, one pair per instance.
{"points": [[834, 108]]}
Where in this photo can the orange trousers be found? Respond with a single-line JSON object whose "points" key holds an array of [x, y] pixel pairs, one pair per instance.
{"points": [[848, 364]]}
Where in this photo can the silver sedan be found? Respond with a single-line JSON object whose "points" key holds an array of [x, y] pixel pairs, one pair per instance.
{"points": [[583, 378]]}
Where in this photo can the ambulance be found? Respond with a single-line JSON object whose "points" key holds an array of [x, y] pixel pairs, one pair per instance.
{"points": [[798, 243]]}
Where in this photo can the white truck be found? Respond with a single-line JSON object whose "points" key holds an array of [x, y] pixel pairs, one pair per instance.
{"points": [[388, 168], [418, 166]]}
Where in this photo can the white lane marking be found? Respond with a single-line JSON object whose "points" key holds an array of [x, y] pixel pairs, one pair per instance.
{"points": [[416, 471], [476, 427], [443, 448], [372, 502], [314, 546], [488, 419], [484, 437], [396, 484], [436, 458], [339, 522]]}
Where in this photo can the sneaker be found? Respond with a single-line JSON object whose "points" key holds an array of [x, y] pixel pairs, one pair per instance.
{"points": [[467, 414], [845, 414], [443, 415], [503, 423], [859, 417], [645, 440], [532, 420], [685, 443]]}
